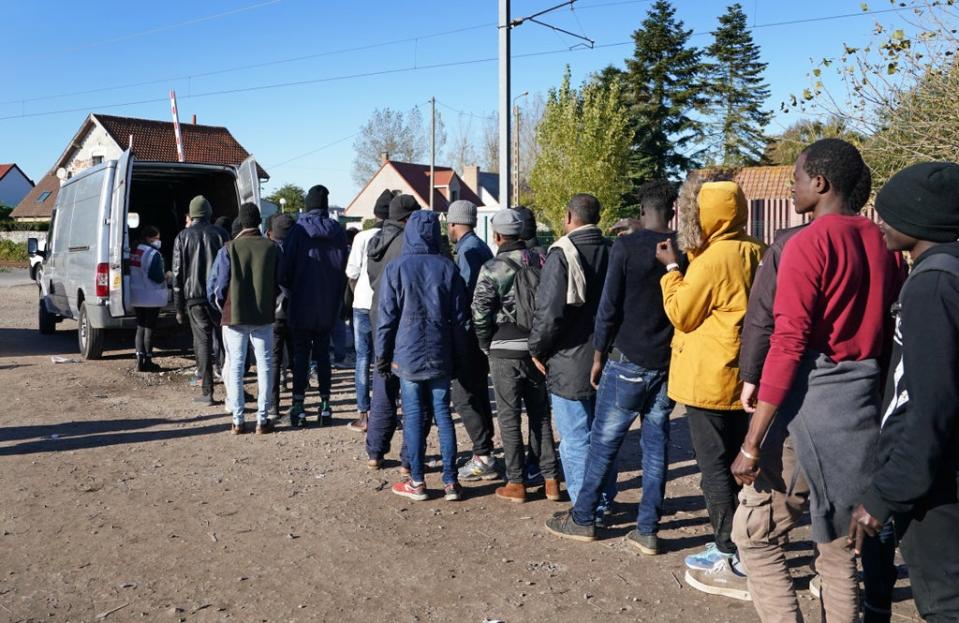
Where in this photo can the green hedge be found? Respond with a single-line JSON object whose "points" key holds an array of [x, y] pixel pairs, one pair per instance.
{"points": [[12, 252], [11, 225]]}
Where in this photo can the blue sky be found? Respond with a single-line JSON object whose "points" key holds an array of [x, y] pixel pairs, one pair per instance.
{"points": [[111, 43]]}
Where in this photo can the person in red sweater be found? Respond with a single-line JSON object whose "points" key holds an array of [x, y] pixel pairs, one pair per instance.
{"points": [[812, 439]]}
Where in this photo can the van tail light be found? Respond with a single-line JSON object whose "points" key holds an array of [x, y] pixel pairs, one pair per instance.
{"points": [[103, 279]]}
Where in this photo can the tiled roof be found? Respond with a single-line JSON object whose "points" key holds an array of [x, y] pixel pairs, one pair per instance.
{"points": [[154, 140], [30, 207], [418, 177], [766, 182]]}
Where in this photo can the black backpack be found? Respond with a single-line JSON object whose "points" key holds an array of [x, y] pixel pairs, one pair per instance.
{"points": [[525, 284]]}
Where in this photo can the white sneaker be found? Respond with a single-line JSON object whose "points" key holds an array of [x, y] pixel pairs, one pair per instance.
{"points": [[726, 578]]}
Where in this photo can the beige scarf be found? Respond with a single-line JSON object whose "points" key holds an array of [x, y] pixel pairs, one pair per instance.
{"points": [[575, 277]]}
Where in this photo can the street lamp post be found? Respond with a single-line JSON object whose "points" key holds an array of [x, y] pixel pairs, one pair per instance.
{"points": [[516, 147], [282, 204]]}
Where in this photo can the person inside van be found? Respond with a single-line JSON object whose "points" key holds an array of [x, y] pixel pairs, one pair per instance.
{"points": [[148, 293], [194, 251]]}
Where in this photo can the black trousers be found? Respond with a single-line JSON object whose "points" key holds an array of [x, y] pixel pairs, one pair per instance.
{"points": [[204, 323], [282, 339], [517, 382], [470, 397], [930, 546], [308, 344], [146, 323], [717, 437]]}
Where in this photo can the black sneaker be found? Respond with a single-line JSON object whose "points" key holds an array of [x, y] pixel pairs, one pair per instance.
{"points": [[564, 526], [647, 544]]}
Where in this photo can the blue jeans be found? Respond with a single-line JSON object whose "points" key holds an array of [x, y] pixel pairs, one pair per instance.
{"points": [[236, 339], [363, 340], [628, 391], [573, 419], [417, 397]]}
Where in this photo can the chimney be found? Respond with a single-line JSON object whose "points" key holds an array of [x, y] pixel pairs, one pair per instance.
{"points": [[470, 177], [384, 157], [194, 118]]}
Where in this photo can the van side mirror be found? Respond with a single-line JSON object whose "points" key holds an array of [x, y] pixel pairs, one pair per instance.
{"points": [[33, 247]]}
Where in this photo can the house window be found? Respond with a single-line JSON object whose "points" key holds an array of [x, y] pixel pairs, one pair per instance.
{"points": [[97, 160], [454, 194], [43, 196]]}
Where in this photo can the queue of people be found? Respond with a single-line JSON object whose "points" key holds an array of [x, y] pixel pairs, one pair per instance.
{"points": [[814, 375]]}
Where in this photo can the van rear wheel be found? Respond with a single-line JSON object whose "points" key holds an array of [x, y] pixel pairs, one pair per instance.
{"points": [[47, 321], [91, 339]]}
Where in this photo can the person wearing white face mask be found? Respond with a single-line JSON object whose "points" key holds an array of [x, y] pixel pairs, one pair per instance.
{"points": [[148, 293]]}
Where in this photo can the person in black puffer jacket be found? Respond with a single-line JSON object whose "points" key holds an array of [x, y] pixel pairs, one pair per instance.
{"points": [[561, 339], [194, 251]]}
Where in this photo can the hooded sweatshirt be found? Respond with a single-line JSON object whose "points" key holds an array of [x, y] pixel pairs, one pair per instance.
{"points": [[422, 318], [312, 269], [383, 248], [707, 304]]}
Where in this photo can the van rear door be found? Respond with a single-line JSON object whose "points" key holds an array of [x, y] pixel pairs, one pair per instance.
{"points": [[248, 182], [119, 236]]}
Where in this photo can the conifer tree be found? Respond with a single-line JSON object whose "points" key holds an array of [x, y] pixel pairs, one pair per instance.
{"points": [[737, 94], [665, 88]]}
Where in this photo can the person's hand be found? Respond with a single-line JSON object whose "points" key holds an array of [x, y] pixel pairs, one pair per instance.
{"points": [[862, 525], [744, 469], [749, 397], [596, 373], [383, 367], [180, 318], [665, 253], [539, 366]]}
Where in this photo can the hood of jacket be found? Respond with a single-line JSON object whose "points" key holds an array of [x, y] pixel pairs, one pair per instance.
{"points": [[318, 224], [422, 235], [380, 243], [722, 211]]}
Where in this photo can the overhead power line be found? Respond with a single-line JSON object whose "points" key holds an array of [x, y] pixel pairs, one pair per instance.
{"points": [[150, 31], [413, 68]]}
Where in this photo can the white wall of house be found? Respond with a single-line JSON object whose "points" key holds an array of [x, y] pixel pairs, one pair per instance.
{"points": [[97, 143], [13, 187]]}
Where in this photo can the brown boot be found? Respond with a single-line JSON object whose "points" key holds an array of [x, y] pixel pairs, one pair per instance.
{"points": [[514, 492], [552, 490]]}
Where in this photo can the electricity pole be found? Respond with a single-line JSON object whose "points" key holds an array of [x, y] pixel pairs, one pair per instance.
{"points": [[432, 147], [516, 148], [504, 102]]}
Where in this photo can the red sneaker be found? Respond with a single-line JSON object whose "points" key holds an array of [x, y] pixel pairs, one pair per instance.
{"points": [[407, 489]]}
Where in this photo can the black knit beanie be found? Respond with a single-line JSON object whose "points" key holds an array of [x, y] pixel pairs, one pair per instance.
{"points": [[922, 201], [381, 209], [280, 226], [318, 198], [249, 216], [402, 206]]}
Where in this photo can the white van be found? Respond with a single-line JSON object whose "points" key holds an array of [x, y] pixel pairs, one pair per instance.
{"points": [[85, 269]]}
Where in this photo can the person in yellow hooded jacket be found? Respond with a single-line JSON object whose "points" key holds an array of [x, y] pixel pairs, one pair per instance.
{"points": [[707, 305]]}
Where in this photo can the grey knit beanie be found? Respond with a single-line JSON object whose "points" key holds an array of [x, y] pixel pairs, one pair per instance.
{"points": [[462, 212]]}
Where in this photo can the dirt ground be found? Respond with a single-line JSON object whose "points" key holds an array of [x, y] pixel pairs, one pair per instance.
{"points": [[120, 500]]}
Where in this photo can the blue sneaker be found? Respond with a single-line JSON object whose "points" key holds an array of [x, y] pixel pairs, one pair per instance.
{"points": [[706, 559]]}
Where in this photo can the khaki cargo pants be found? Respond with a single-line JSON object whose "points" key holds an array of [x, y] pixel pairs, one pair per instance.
{"points": [[768, 511]]}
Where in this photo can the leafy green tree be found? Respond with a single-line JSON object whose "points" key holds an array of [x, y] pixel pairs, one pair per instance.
{"points": [[664, 86], [584, 144], [294, 195], [738, 92], [785, 148]]}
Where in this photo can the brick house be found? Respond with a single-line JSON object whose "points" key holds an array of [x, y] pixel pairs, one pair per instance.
{"points": [[105, 137]]}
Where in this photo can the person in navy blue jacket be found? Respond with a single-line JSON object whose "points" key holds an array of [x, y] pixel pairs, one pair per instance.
{"points": [[421, 322], [312, 269]]}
